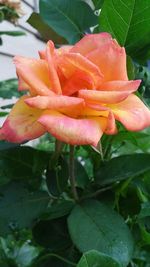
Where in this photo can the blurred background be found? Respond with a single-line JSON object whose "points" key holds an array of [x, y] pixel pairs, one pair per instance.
{"points": [[26, 45]]}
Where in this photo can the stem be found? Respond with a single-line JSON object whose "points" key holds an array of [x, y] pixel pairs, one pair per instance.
{"points": [[31, 32], [6, 54], [58, 148], [72, 175], [101, 150], [56, 256], [29, 5], [98, 192]]}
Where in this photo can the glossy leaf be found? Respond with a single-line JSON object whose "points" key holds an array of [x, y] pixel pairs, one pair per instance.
{"points": [[98, 3], [19, 207], [93, 225], [81, 175], [69, 19], [129, 23], [121, 168], [22, 163], [46, 32], [145, 210], [58, 210], [97, 259]]}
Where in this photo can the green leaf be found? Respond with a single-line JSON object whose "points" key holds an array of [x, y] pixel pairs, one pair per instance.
{"points": [[3, 114], [121, 168], [98, 3], [94, 258], [46, 32], [130, 68], [6, 145], [81, 175], [128, 22], [1, 16], [145, 210], [26, 254], [58, 210], [19, 207], [8, 88], [22, 253], [68, 18], [22, 163], [93, 225], [12, 33], [52, 234]]}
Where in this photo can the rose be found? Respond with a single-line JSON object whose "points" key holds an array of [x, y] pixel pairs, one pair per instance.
{"points": [[75, 93]]}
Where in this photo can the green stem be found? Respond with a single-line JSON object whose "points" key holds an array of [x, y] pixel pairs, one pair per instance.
{"points": [[56, 256], [98, 192], [58, 148], [72, 174]]}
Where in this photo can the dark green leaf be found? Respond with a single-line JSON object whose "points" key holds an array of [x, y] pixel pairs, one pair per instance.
{"points": [[46, 32], [12, 33], [68, 18], [98, 3], [81, 175], [145, 210], [94, 258], [9, 106], [128, 22], [93, 225], [19, 207], [58, 210], [121, 168], [8, 88], [52, 234], [22, 163], [6, 145]]}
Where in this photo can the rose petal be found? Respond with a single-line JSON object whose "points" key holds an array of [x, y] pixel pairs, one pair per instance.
{"points": [[21, 124], [132, 113], [22, 85], [91, 42], [55, 102], [55, 84], [73, 131], [132, 86], [111, 124], [111, 60], [35, 74], [79, 80], [106, 97], [71, 62]]}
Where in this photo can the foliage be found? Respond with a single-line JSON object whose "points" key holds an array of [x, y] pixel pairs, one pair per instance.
{"points": [[41, 224]]}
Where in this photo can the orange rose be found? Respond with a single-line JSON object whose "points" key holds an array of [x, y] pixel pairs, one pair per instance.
{"points": [[75, 93]]}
